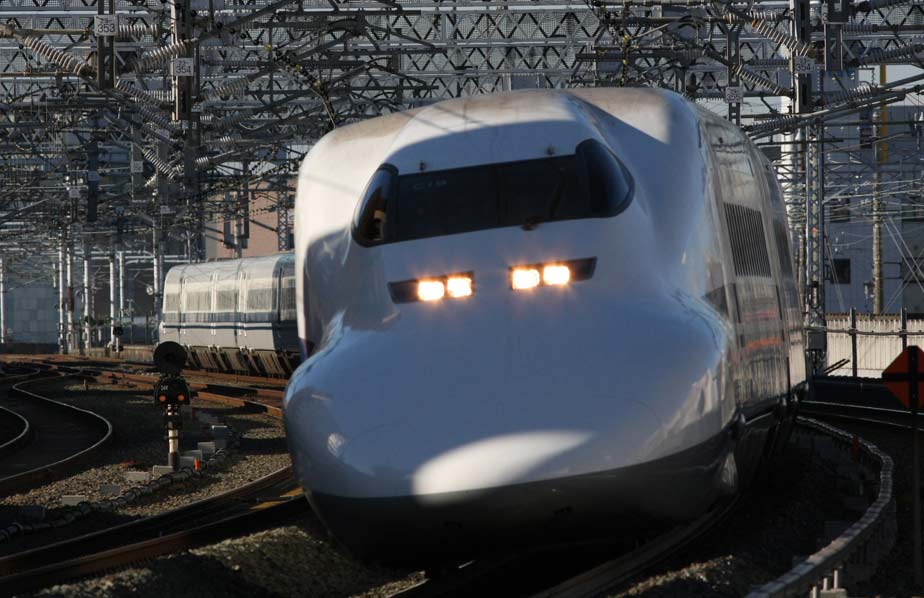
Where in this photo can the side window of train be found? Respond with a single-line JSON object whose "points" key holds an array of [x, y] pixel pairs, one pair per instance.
{"points": [[287, 304], [780, 221], [370, 224]]}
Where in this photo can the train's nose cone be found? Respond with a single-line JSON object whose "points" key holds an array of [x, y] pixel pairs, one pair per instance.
{"points": [[413, 436]]}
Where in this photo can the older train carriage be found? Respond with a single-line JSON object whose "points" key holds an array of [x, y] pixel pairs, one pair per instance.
{"points": [[234, 315]]}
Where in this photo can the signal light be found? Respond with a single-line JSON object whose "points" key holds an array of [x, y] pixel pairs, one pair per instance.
{"points": [[171, 391]]}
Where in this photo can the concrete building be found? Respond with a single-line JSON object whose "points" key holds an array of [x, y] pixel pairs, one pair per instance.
{"points": [[31, 315], [857, 175]]}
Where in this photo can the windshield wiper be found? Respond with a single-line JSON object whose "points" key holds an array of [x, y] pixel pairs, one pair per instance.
{"points": [[532, 223]]}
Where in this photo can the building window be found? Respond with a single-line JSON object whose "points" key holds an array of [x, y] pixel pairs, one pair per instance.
{"points": [[840, 271], [840, 209]]}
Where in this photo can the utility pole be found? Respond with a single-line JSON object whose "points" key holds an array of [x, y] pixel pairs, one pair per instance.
{"points": [[71, 336], [815, 325], [157, 265], [121, 257], [882, 156], [185, 86], [733, 56], [113, 285], [282, 221], [62, 297], [2, 302], [87, 314]]}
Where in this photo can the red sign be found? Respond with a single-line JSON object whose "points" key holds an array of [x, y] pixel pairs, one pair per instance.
{"points": [[905, 375]]}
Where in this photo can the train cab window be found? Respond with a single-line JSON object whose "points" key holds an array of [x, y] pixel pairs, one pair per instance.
{"points": [[591, 183], [370, 225], [443, 202]]}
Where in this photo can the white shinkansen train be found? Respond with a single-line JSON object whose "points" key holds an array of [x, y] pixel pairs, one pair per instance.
{"points": [[234, 315], [542, 314]]}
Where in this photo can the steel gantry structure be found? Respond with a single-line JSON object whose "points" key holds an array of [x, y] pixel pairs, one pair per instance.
{"points": [[129, 127]]}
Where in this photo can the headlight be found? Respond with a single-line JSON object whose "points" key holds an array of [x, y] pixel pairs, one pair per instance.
{"points": [[459, 286], [430, 290], [433, 288], [552, 274], [556, 274], [524, 278]]}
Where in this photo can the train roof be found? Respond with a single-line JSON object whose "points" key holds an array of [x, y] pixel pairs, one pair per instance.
{"points": [[481, 129], [203, 270]]}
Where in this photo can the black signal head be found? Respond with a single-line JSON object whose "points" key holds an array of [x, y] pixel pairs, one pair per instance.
{"points": [[170, 357]]}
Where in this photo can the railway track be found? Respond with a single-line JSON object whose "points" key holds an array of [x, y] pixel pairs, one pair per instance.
{"points": [[139, 367], [861, 400], [55, 439], [569, 574], [575, 571], [260, 504]]}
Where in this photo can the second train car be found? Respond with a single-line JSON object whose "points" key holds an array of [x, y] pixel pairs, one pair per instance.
{"points": [[234, 315]]}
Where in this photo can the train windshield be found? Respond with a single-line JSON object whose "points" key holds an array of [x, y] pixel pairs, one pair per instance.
{"points": [[591, 183]]}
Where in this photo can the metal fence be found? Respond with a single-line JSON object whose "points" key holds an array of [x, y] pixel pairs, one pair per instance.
{"points": [[867, 344], [853, 556]]}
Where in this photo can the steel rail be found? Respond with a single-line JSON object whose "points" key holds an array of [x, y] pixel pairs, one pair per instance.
{"points": [[862, 544], [19, 440], [824, 569], [25, 478], [866, 414], [616, 572], [115, 362], [485, 575], [269, 500]]}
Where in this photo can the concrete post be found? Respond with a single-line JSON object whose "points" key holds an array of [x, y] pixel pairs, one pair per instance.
{"points": [[62, 299], [87, 329], [158, 266], [71, 337], [121, 290], [113, 284], [2, 302]]}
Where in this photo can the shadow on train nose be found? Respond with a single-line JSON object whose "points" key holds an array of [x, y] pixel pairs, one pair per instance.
{"points": [[481, 495]]}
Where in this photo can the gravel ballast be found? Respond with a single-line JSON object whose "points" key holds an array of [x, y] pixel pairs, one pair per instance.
{"points": [[779, 518], [138, 443], [293, 560]]}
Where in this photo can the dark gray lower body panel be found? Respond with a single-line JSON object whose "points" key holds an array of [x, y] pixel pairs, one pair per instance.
{"points": [[623, 502]]}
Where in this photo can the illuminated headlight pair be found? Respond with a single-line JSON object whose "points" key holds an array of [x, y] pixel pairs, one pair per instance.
{"points": [[455, 286], [523, 278], [462, 284], [528, 278]]}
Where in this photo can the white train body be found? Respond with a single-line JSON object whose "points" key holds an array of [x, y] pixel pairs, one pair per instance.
{"points": [[637, 394], [234, 315]]}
